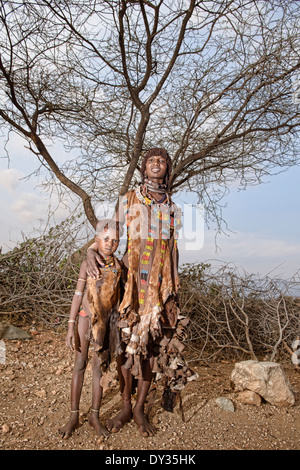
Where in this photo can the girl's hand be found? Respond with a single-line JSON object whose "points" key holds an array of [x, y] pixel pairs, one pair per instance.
{"points": [[70, 339]]}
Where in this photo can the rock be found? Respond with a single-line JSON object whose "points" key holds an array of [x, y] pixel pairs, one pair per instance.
{"points": [[265, 378], [34, 332], [8, 331], [225, 404], [2, 352], [41, 393], [5, 428], [249, 398], [41, 421]]}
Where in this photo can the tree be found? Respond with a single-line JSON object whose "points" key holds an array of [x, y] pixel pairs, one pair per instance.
{"points": [[212, 81]]}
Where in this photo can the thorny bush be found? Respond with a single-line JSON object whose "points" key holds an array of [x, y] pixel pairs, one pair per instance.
{"points": [[231, 314], [239, 315], [37, 278]]}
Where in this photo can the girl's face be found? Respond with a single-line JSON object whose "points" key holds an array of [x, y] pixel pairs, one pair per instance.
{"points": [[156, 168], [107, 242]]}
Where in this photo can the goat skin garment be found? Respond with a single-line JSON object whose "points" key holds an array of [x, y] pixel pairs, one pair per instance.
{"points": [[104, 296]]}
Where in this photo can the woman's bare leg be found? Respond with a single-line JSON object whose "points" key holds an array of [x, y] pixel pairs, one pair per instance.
{"points": [[146, 429], [125, 380]]}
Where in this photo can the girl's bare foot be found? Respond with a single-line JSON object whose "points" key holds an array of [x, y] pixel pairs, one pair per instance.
{"points": [[70, 427], [146, 429], [95, 423], [125, 415]]}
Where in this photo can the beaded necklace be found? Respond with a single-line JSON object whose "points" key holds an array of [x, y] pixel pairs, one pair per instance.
{"points": [[146, 199], [108, 261], [159, 188]]}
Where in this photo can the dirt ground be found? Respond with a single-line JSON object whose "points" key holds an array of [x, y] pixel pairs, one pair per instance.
{"points": [[35, 387]]}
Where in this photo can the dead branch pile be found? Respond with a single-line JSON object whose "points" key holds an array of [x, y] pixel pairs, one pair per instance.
{"points": [[37, 278], [231, 315], [239, 315]]}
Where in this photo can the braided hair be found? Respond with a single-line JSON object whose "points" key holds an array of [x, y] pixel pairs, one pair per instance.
{"points": [[157, 152]]}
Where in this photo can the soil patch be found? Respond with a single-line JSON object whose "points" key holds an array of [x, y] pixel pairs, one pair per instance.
{"points": [[35, 389]]}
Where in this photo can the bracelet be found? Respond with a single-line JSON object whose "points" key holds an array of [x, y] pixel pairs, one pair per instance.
{"points": [[77, 292], [71, 321]]}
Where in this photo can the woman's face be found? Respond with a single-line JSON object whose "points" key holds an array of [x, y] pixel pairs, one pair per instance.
{"points": [[156, 168]]}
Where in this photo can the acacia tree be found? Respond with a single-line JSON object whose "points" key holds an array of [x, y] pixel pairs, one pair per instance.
{"points": [[211, 81]]}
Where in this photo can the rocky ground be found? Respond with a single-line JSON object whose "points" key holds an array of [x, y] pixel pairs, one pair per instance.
{"points": [[35, 386]]}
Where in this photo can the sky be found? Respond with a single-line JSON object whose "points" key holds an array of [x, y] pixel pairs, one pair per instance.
{"points": [[264, 224], [263, 221]]}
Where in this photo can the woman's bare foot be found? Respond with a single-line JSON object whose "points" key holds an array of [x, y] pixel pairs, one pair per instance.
{"points": [[146, 429], [95, 423], [125, 415], [70, 427]]}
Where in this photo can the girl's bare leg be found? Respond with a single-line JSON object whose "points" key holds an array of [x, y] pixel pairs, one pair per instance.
{"points": [[125, 380], [81, 360], [97, 392]]}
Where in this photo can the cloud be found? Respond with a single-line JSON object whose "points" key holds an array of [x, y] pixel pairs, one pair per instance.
{"points": [[28, 206], [18, 205], [248, 245], [25, 212], [254, 252], [10, 178]]}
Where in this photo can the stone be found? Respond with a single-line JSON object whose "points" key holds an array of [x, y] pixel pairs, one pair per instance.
{"points": [[41, 393], [265, 378], [247, 397], [5, 428], [225, 404], [8, 331]]}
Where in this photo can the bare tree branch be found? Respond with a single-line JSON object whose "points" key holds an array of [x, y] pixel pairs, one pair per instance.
{"points": [[211, 82]]}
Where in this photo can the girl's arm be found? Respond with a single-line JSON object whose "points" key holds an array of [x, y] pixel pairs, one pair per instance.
{"points": [[76, 304]]}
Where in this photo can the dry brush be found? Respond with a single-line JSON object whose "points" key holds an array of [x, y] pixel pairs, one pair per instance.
{"points": [[231, 314]]}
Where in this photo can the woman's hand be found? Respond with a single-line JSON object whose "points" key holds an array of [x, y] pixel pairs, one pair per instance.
{"points": [[92, 260]]}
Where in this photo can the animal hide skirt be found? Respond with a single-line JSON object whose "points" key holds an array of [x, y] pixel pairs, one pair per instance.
{"points": [[169, 366]]}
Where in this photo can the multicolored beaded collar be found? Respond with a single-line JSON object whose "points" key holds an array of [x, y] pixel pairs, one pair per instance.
{"points": [[147, 200], [159, 188], [108, 262]]}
